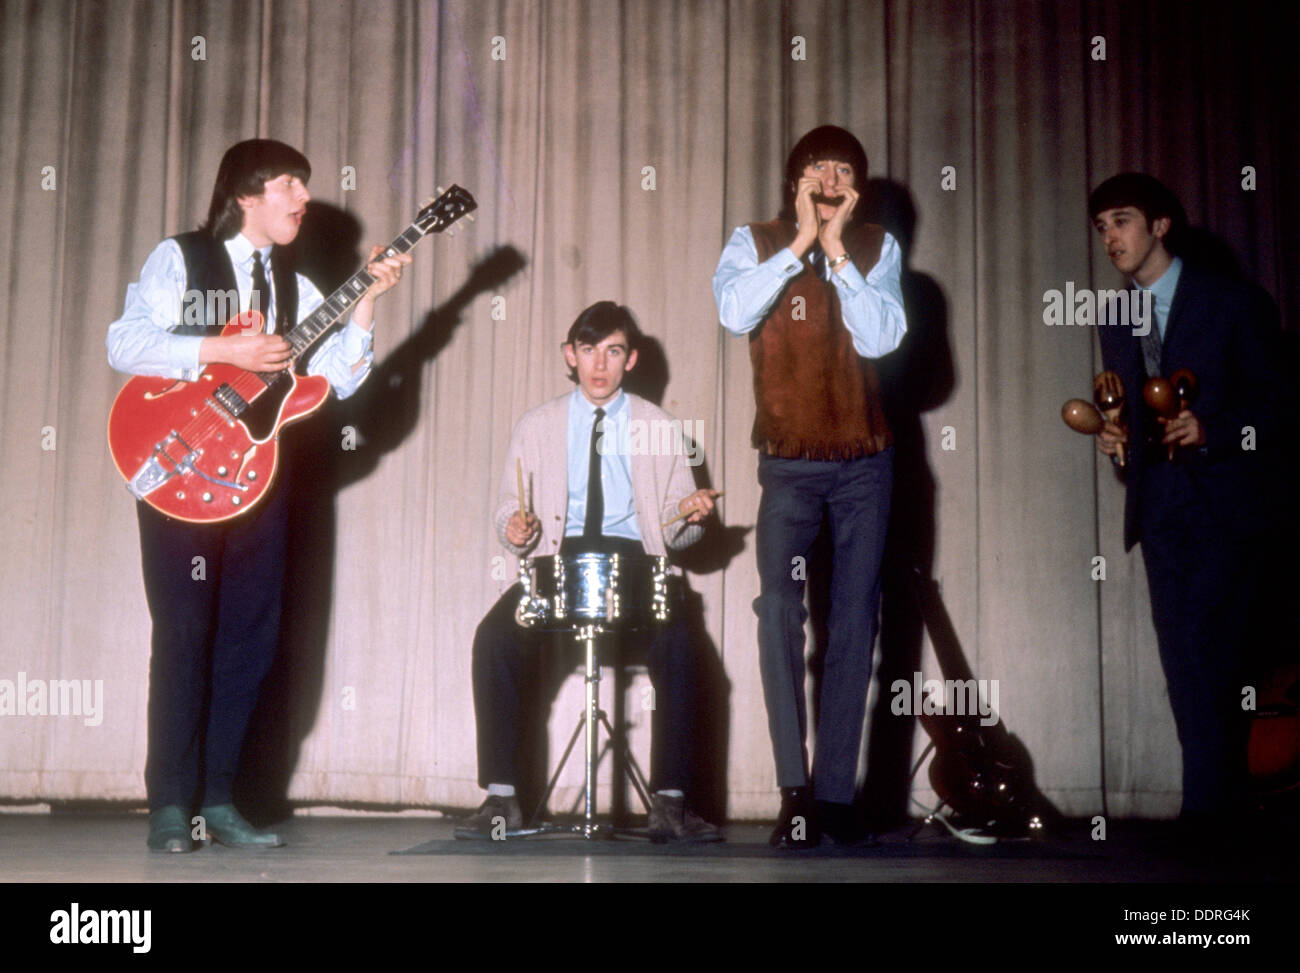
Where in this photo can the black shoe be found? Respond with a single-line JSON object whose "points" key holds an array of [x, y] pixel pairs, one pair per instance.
{"points": [[169, 830], [842, 825], [796, 829]]}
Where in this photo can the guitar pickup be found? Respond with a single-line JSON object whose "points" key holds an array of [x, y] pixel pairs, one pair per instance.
{"points": [[230, 400]]}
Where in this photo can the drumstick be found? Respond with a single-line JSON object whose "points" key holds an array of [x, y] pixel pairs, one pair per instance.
{"points": [[519, 483], [687, 513]]}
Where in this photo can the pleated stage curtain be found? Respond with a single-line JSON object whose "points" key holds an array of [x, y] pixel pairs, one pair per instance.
{"points": [[612, 148]]}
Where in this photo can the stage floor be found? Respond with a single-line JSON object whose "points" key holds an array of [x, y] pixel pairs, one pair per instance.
{"points": [[109, 847]]}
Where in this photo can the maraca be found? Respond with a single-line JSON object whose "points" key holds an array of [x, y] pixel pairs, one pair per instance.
{"points": [[1082, 416], [1184, 383], [1159, 394], [1108, 393]]}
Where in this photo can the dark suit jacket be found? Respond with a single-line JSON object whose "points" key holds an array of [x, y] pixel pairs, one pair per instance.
{"points": [[1224, 332]]}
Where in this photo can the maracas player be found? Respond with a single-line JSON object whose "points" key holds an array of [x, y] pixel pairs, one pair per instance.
{"points": [[1201, 510]]}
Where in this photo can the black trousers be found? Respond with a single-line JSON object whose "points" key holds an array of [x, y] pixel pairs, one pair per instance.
{"points": [[1202, 585], [214, 593], [499, 647]]}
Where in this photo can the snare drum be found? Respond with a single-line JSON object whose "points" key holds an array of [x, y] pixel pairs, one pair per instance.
{"points": [[563, 592]]}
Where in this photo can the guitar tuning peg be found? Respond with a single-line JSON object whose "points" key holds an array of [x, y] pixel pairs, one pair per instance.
{"points": [[470, 217], [440, 190], [451, 232], [428, 201]]}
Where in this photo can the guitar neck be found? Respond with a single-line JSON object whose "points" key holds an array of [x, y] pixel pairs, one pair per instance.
{"points": [[339, 305]]}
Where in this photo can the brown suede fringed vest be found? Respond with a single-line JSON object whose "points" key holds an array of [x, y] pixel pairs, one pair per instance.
{"points": [[816, 397]]}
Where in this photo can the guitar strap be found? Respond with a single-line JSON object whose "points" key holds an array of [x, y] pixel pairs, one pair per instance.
{"points": [[208, 271]]}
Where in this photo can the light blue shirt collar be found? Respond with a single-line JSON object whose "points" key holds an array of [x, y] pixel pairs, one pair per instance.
{"points": [[1162, 290], [612, 408]]}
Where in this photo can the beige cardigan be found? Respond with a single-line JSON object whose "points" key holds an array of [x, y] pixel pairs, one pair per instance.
{"points": [[540, 441]]}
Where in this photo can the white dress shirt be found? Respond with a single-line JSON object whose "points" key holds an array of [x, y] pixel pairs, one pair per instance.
{"points": [[140, 342]]}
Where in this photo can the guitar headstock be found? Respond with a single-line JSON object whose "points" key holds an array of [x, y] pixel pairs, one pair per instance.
{"points": [[445, 211]]}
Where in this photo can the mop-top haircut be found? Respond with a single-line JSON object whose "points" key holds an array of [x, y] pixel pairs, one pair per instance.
{"points": [[824, 142], [1144, 193], [244, 171], [601, 320], [597, 323]]}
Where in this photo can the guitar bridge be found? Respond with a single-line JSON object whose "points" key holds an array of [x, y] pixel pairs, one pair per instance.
{"points": [[154, 474], [148, 478]]}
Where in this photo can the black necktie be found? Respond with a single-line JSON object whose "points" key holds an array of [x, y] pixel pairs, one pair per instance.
{"points": [[591, 527], [257, 299]]}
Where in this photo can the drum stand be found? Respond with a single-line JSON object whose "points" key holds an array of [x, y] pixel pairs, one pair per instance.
{"points": [[591, 715]]}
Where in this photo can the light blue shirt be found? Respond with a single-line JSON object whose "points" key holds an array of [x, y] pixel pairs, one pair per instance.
{"points": [[140, 341], [1163, 292], [615, 466], [871, 306]]}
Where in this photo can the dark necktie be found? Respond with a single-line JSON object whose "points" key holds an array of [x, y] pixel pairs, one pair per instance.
{"points": [[257, 299], [591, 527], [1152, 345]]}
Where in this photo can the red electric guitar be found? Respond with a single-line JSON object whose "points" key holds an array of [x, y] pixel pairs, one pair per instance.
{"points": [[206, 451]]}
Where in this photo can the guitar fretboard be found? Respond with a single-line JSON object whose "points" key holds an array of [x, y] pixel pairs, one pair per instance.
{"points": [[339, 304], [437, 216]]}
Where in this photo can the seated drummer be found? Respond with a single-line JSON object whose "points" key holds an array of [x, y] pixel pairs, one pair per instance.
{"points": [[620, 511]]}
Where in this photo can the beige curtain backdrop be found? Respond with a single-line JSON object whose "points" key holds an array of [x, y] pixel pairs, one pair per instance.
{"points": [[612, 148]]}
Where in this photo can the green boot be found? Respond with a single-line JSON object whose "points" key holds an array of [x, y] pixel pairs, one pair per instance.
{"points": [[227, 826], [169, 830]]}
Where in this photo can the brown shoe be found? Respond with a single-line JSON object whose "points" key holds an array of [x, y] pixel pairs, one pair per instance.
{"points": [[671, 821], [495, 819]]}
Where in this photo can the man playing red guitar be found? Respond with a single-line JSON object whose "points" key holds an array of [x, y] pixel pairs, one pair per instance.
{"points": [[214, 589]]}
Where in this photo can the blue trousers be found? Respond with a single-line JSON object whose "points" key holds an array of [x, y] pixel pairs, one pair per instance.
{"points": [[797, 494]]}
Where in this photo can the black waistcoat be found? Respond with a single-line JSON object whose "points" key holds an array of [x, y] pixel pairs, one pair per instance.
{"points": [[208, 272]]}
